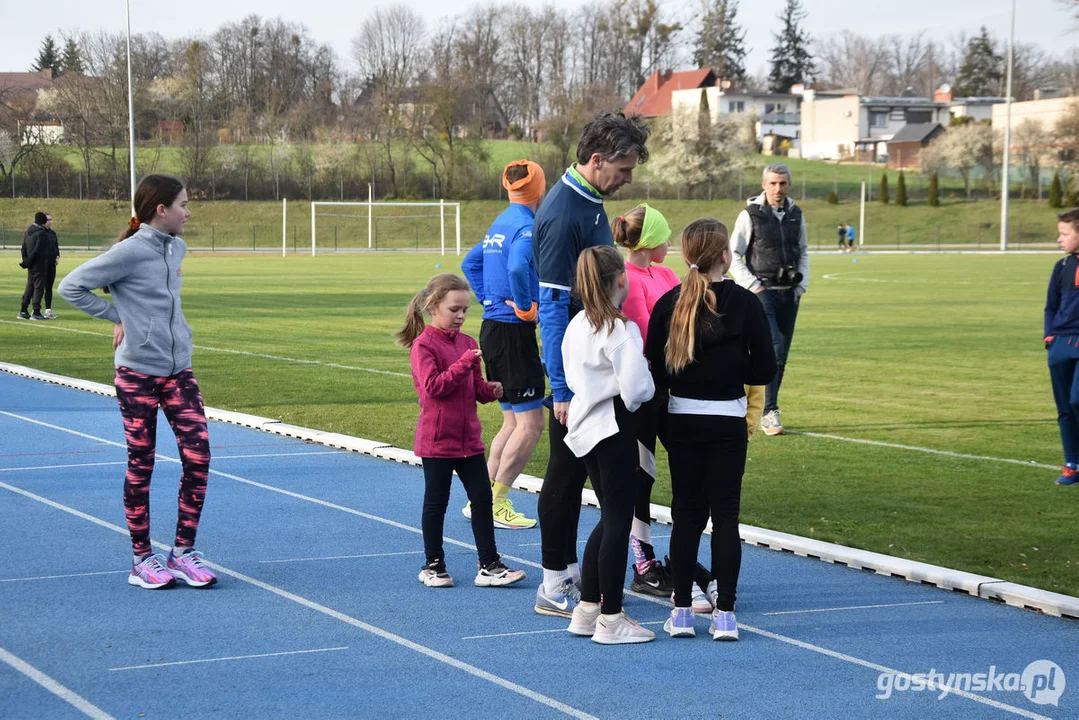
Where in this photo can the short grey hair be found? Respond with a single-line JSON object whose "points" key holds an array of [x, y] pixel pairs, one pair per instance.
{"points": [[776, 169]]}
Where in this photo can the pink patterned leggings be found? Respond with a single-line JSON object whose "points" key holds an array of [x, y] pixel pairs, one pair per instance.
{"points": [[179, 397]]}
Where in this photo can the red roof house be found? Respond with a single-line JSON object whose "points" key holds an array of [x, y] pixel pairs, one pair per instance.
{"points": [[654, 97]]}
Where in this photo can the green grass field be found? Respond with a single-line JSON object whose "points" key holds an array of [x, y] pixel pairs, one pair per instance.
{"points": [[938, 351]]}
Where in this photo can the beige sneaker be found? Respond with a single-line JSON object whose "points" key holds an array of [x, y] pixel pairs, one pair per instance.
{"points": [[50, 314], [771, 424], [620, 631], [507, 518], [584, 619]]}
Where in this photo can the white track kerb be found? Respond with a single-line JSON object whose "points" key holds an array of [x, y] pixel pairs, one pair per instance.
{"points": [[982, 586]]}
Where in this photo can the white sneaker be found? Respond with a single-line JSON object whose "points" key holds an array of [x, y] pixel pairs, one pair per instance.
{"points": [[50, 314], [724, 626], [771, 424], [702, 603], [620, 631], [467, 510], [584, 620]]}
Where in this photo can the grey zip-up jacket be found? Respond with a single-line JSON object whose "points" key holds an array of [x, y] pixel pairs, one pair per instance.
{"points": [[143, 277]]}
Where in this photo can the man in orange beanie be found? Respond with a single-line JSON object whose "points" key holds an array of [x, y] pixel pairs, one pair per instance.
{"points": [[502, 273]]}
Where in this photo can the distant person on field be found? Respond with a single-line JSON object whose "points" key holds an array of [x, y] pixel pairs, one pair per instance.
{"points": [[503, 276], [851, 235], [1062, 341], [153, 369], [842, 231], [571, 219], [446, 373], [40, 255], [770, 257], [646, 234]]}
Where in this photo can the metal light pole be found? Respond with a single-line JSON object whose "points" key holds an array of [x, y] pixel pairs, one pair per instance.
{"points": [[130, 111], [1007, 140]]}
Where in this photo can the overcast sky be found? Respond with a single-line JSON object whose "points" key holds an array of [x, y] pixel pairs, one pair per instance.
{"points": [[1042, 22]]}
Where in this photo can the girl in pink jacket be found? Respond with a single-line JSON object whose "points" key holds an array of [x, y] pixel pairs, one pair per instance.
{"points": [[446, 372]]}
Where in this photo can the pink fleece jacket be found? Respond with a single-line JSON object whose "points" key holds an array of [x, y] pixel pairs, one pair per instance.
{"points": [[645, 288], [449, 382]]}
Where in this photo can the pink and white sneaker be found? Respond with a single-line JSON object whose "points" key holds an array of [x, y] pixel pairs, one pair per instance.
{"points": [[151, 574], [189, 568]]}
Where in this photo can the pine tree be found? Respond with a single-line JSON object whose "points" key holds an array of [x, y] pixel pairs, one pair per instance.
{"points": [[48, 57], [883, 188], [982, 69], [791, 60], [1072, 198], [901, 191], [934, 192], [71, 60], [720, 42], [1056, 192]]}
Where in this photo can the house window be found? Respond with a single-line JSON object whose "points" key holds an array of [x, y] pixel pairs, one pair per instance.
{"points": [[769, 108], [919, 116], [878, 118], [739, 106], [779, 108]]}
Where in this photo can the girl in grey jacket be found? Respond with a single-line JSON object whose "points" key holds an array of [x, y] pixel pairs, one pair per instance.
{"points": [[152, 340]]}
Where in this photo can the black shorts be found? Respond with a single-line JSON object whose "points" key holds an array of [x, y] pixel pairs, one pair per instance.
{"points": [[511, 356]]}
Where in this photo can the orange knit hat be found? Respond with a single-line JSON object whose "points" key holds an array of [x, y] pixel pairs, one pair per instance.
{"points": [[528, 189]]}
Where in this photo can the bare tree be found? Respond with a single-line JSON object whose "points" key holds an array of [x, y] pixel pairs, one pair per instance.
{"points": [[1033, 145], [854, 61]]}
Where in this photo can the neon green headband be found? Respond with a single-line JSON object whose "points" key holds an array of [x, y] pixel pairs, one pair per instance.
{"points": [[655, 230]]}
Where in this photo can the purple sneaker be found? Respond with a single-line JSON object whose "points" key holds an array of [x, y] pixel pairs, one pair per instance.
{"points": [[189, 568], [680, 623], [151, 574], [724, 626]]}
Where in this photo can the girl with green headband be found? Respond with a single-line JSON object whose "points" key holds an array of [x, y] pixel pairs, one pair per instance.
{"points": [[645, 233]]}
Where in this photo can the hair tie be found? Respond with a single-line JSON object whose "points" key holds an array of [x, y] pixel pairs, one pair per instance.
{"points": [[621, 218], [693, 266], [133, 223]]}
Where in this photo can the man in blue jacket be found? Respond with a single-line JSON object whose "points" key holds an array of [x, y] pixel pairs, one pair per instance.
{"points": [[503, 275], [572, 219]]}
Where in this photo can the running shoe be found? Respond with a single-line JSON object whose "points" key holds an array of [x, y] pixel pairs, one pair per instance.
{"points": [[189, 568], [467, 510], [724, 626], [37, 316], [558, 602], [23, 315], [771, 424], [496, 574], [506, 518], [434, 574], [584, 619], [621, 631], [654, 581], [50, 315], [1069, 475], [680, 623], [151, 574]]}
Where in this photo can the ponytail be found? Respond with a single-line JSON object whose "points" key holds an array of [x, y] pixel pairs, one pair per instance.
{"points": [[627, 228], [598, 269], [426, 300], [703, 243]]}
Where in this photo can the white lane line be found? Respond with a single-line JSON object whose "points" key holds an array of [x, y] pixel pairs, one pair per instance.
{"points": [[66, 694], [330, 612], [273, 455], [72, 575], [394, 523], [915, 448], [539, 632], [855, 607], [223, 659], [342, 557], [59, 467], [229, 351]]}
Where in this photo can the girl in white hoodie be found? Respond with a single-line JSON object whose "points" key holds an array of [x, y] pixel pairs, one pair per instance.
{"points": [[602, 353]]}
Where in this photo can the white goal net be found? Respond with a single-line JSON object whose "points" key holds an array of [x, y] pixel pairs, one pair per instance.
{"points": [[345, 226]]}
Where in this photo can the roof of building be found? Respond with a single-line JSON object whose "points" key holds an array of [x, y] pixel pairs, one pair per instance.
{"points": [[654, 96], [916, 132]]}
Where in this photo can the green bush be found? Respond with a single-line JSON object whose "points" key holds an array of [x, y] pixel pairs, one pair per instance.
{"points": [[901, 191], [934, 191], [1056, 192], [833, 199], [883, 197]]}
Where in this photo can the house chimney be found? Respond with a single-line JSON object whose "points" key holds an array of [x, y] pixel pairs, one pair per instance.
{"points": [[943, 93]]}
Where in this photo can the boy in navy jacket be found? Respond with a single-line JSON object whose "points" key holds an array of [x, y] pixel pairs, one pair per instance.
{"points": [[1062, 341]]}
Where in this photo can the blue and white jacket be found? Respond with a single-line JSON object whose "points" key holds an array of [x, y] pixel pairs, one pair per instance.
{"points": [[501, 267], [570, 219]]}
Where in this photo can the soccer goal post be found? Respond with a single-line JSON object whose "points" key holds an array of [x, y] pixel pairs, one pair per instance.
{"points": [[343, 226]]}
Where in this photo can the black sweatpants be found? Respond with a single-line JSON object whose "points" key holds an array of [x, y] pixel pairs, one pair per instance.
{"points": [[35, 288], [50, 280], [559, 505], [612, 467], [706, 476], [438, 476]]}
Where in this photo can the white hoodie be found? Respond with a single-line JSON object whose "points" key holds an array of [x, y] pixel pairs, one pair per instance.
{"points": [[600, 366]]}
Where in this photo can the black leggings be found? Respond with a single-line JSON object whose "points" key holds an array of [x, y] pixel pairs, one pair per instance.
{"points": [[559, 506], [707, 476], [612, 467], [438, 476], [652, 418]]}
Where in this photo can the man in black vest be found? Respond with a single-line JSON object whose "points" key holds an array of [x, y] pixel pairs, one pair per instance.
{"points": [[770, 248]]}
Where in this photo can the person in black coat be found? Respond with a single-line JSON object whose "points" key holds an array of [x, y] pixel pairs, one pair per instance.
{"points": [[40, 255]]}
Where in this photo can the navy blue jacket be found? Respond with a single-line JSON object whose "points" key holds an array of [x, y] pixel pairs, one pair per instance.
{"points": [[570, 219], [1062, 299], [501, 268]]}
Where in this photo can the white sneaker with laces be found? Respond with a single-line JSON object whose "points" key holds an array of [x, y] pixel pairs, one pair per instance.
{"points": [[50, 314], [620, 630], [771, 424]]}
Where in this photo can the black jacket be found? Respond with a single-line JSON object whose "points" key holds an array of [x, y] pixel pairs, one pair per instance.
{"points": [[37, 250]]}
